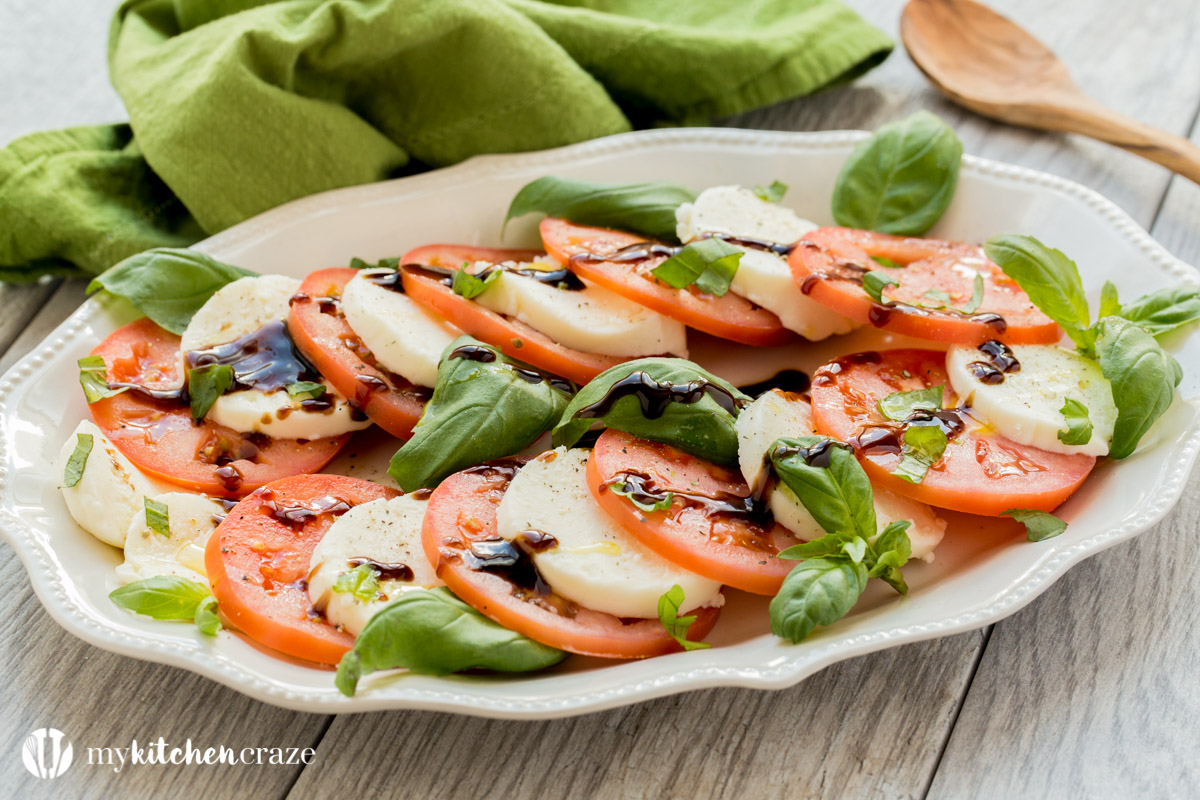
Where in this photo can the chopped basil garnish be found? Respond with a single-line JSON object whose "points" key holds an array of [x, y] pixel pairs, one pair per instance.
{"points": [[156, 517], [206, 618], [73, 472], [306, 390], [943, 299], [976, 295], [659, 505], [884, 261], [205, 385], [923, 447], [646, 208], [1039, 525], [432, 632], [668, 614], [710, 264], [1079, 425], [383, 263], [362, 582], [773, 193], [874, 282], [899, 406], [471, 286], [93, 377]]}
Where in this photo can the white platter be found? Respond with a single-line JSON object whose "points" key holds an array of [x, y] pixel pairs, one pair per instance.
{"points": [[982, 572]]}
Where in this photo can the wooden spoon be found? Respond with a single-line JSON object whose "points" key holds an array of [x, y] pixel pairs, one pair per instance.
{"points": [[987, 63]]}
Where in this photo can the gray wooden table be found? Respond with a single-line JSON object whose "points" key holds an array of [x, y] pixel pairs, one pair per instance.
{"points": [[1090, 691]]}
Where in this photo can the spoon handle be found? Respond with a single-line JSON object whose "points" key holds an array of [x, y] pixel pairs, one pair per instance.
{"points": [[1173, 152]]}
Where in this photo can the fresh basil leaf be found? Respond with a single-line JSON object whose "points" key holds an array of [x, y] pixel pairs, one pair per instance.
{"points": [[829, 544], [383, 263], [1110, 302], [708, 263], [941, 297], [659, 505], [157, 518], [697, 413], [73, 472], [306, 390], [1050, 279], [646, 208], [1039, 525], [899, 406], [1079, 425], [976, 295], [206, 618], [829, 482], [668, 614], [902, 179], [362, 582], [884, 261], [162, 597], [205, 385], [168, 284], [893, 549], [1143, 378], [479, 411], [93, 377], [819, 591], [923, 447], [432, 632], [471, 286], [773, 193], [1161, 312], [874, 282], [856, 549]]}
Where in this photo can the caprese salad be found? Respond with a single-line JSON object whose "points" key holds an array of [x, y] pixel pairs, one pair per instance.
{"points": [[566, 481]]}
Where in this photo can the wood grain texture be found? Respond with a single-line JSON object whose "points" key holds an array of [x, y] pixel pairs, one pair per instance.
{"points": [[1092, 689]]}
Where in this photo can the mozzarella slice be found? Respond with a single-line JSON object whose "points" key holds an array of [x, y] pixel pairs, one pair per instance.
{"points": [[191, 519], [384, 531], [281, 416], [592, 320], [776, 415], [762, 277], [404, 336], [597, 563], [238, 309], [1027, 405], [110, 492]]}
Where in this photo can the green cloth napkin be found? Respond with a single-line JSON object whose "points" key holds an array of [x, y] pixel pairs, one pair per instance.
{"points": [[236, 106]]}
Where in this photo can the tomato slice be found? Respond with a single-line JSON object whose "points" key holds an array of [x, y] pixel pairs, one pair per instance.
{"points": [[159, 437], [981, 472], [729, 317], [704, 530], [515, 339], [829, 263], [326, 339], [462, 514], [258, 561]]}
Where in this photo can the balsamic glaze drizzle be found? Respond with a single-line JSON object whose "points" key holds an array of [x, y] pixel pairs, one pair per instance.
{"points": [[655, 396], [387, 572], [788, 380], [999, 361], [642, 487], [486, 355], [295, 516]]}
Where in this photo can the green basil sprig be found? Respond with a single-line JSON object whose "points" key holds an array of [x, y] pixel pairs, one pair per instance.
{"points": [[168, 284], [668, 614], [480, 410], [923, 446], [819, 591], [646, 208], [1039, 525], [773, 193], [432, 632], [902, 179], [1143, 378], [1050, 279], [703, 427], [1157, 313], [710, 264], [828, 480], [170, 597], [73, 472]]}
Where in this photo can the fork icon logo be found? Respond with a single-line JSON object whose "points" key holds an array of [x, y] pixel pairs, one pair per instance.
{"points": [[46, 753]]}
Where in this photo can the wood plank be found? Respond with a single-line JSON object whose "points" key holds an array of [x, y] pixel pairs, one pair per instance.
{"points": [[99, 699], [1091, 689]]}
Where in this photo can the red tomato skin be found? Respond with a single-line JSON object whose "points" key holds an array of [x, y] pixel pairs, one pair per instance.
{"points": [[257, 566], [688, 539], [161, 439], [730, 317], [326, 339], [463, 510], [981, 472], [929, 264]]}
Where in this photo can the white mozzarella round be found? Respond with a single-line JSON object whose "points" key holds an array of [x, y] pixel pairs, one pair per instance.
{"points": [[597, 563], [404, 336], [281, 416], [238, 309], [191, 519], [384, 531], [111, 490], [763, 278], [591, 320], [1027, 406], [776, 415]]}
